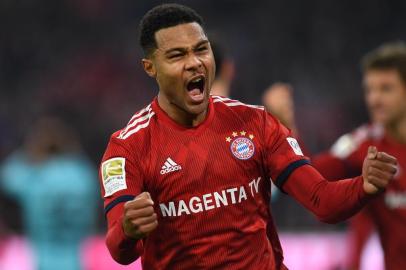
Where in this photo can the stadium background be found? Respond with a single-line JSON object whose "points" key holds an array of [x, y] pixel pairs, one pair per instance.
{"points": [[80, 60]]}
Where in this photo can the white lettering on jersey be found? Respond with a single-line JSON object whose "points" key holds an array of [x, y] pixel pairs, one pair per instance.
{"points": [[198, 205], [209, 201], [232, 193], [295, 146], [222, 198], [243, 194], [254, 183], [395, 200], [168, 211], [182, 208]]}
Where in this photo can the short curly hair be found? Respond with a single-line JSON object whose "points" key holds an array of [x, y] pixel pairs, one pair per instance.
{"points": [[164, 16], [388, 56]]}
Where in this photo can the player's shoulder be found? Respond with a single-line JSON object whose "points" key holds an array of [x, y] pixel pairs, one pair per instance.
{"points": [[363, 135], [138, 125], [369, 131], [224, 104]]}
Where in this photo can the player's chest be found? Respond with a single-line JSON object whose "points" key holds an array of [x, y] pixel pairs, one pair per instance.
{"points": [[395, 194], [205, 162]]}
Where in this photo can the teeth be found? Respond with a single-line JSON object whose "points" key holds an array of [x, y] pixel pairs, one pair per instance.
{"points": [[196, 80]]}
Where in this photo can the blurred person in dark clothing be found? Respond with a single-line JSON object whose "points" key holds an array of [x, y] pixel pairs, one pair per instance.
{"points": [[55, 185], [384, 72]]}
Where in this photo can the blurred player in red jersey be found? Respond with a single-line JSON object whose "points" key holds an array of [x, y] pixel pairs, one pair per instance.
{"points": [[385, 95], [186, 183]]}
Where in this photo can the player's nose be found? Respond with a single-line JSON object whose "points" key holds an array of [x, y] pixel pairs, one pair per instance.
{"points": [[193, 62]]}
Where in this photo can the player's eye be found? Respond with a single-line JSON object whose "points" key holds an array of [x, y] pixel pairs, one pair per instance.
{"points": [[202, 49], [176, 55], [386, 88]]}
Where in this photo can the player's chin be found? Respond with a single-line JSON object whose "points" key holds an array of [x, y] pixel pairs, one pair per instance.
{"points": [[197, 108], [381, 118]]}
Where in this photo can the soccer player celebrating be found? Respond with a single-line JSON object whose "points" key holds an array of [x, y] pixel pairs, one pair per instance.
{"points": [[385, 96], [186, 183]]}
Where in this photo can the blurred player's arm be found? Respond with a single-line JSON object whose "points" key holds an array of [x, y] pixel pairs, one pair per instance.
{"points": [[129, 211], [336, 201], [330, 166], [342, 159]]}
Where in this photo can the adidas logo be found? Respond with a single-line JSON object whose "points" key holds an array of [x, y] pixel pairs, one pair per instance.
{"points": [[170, 166]]}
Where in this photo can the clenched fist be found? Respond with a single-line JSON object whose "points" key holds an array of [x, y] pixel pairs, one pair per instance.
{"points": [[378, 170], [139, 216]]}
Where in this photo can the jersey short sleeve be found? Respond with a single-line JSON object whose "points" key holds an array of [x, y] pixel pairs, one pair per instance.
{"points": [[282, 151], [120, 177]]}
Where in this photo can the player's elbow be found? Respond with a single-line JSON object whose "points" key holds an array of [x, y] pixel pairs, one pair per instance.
{"points": [[123, 260], [122, 256], [332, 216]]}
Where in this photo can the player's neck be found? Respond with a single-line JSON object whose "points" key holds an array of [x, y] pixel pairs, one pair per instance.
{"points": [[179, 115], [398, 130]]}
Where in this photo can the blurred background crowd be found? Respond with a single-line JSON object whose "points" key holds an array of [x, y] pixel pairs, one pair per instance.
{"points": [[70, 75]]}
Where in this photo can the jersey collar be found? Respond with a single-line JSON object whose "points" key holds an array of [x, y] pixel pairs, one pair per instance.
{"points": [[163, 117]]}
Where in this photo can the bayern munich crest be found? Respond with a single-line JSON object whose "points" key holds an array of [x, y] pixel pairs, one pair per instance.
{"points": [[241, 147]]}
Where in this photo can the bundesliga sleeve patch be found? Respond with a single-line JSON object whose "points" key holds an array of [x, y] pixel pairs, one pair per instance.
{"points": [[113, 175], [295, 146]]}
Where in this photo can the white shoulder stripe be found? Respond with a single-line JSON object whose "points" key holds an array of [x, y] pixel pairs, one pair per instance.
{"points": [[140, 113], [243, 104], [222, 99], [135, 119], [136, 128], [232, 103]]}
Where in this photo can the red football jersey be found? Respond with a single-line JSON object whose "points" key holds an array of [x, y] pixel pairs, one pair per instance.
{"points": [[387, 211], [211, 187]]}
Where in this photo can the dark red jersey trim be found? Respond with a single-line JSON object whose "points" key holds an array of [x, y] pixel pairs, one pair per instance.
{"points": [[281, 179], [121, 199]]}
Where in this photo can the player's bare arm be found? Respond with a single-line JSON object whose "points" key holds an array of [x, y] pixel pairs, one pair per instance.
{"points": [[139, 217], [378, 170]]}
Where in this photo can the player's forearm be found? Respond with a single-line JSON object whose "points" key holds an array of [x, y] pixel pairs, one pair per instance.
{"points": [[331, 202], [123, 249]]}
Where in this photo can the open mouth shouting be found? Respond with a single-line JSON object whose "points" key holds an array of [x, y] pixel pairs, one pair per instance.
{"points": [[196, 87]]}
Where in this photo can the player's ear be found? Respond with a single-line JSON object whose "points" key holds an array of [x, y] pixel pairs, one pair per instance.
{"points": [[149, 67]]}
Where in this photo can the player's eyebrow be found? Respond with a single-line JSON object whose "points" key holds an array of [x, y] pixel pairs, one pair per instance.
{"points": [[184, 49], [205, 41]]}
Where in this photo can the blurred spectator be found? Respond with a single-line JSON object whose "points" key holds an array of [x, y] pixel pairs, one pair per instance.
{"points": [[225, 71], [278, 99], [56, 187]]}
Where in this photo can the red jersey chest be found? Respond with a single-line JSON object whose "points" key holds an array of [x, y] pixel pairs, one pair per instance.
{"points": [[189, 163]]}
